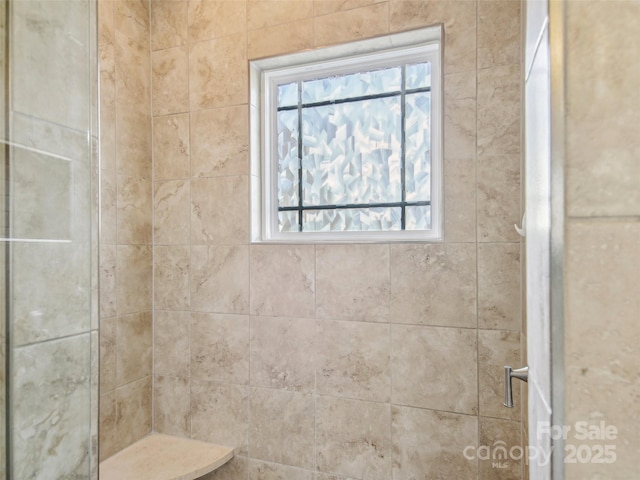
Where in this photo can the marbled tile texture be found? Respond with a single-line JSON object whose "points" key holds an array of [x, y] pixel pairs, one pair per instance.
{"points": [[316, 362]]}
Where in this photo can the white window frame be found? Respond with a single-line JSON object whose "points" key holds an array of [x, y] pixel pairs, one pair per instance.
{"points": [[412, 47]]}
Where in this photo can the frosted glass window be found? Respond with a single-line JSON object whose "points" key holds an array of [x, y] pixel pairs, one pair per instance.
{"points": [[351, 144]]}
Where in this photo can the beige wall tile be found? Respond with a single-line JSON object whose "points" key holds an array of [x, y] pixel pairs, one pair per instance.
{"points": [[134, 347], [172, 212], [323, 7], [498, 33], [259, 470], [133, 407], [133, 64], [133, 145], [212, 19], [168, 23], [106, 21], [459, 19], [132, 19], [171, 406], [434, 284], [220, 278], [108, 434], [493, 431], [220, 414], [283, 352], [235, 469], [171, 266], [460, 200], [171, 148], [134, 274], [460, 115], [352, 25], [435, 367], [498, 198], [107, 355], [353, 438], [282, 427], [220, 142], [134, 210], [108, 207], [499, 110], [497, 348], [602, 163], [280, 39], [220, 348], [353, 282], [171, 347], [283, 280], [499, 286], [430, 444], [170, 75], [219, 210], [354, 360], [107, 106], [108, 281], [218, 72], [266, 13]]}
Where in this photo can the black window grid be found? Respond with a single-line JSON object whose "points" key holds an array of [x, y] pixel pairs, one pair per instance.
{"points": [[403, 204]]}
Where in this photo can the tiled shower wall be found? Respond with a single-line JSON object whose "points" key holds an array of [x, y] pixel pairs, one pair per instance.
{"points": [[361, 361], [125, 237]]}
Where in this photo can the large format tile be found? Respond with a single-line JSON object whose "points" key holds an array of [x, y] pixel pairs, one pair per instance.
{"points": [[434, 284], [220, 278], [498, 197], [168, 23], [107, 354], [218, 72], [354, 360], [283, 353], [431, 444], [220, 414], [219, 210], [171, 349], [459, 115], [280, 39], [235, 469], [353, 438], [107, 435], [495, 434], [220, 348], [134, 210], [108, 207], [497, 348], [435, 367], [170, 74], [351, 25], [499, 286], [266, 13], [171, 406], [283, 280], [212, 19], [459, 19], [259, 470], [282, 427], [134, 347], [460, 200], [133, 407], [171, 277], [498, 33], [134, 274], [220, 142], [107, 281], [171, 149], [353, 282], [171, 212]]}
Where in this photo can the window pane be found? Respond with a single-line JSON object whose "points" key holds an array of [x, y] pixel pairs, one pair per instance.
{"points": [[418, 75], [351, 153], [418, 146], [352, 85], [351, 219], [288, 158], [288, 94], [288, 221], [418, 218]]}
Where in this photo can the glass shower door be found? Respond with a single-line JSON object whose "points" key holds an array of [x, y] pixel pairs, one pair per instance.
{"points": [[49, 239]]}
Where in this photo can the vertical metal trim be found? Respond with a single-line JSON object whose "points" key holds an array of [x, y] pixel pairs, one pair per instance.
{"points": [[557, 34]]}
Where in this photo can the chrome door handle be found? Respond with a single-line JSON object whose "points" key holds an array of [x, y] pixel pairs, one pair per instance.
{"points": [[510, 373]]}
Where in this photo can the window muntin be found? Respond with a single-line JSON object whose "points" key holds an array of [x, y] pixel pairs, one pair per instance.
{"points": [[366, 165]]}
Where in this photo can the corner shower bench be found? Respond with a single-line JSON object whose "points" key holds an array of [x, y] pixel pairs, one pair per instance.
{"points": [[164, 457]]}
